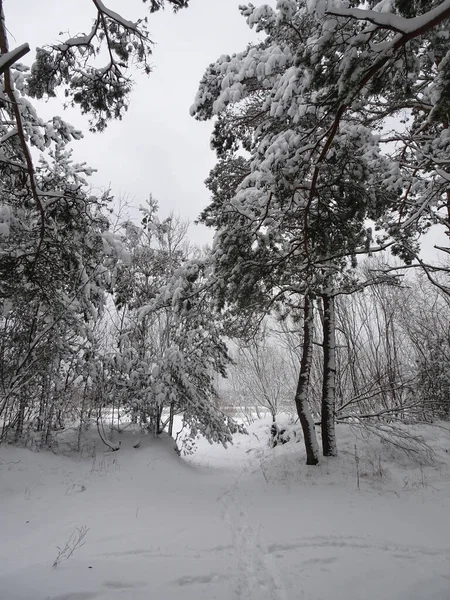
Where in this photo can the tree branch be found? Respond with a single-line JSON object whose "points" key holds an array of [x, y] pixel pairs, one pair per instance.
{"points": [[383, 20], [9, 89], [9, 58], [412, 28]]}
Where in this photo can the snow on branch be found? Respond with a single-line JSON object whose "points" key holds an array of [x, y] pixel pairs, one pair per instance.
{"points": [[412, 28], [385, 20], [100, 91], [85, 40], [80, 40], [9, 58], [116, 17]]}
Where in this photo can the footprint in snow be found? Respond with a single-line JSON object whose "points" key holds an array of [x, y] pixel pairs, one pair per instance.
{"points": [[257, 576]]}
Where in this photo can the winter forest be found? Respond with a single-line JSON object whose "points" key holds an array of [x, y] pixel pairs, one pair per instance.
{"points": [[265, 416]]}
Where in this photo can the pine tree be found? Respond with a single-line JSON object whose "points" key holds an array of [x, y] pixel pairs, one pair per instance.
{"points": [[290, 218]]}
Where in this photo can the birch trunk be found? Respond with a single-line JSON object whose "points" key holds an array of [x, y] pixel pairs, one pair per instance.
{"points": [[329, 446], [301, 395]]}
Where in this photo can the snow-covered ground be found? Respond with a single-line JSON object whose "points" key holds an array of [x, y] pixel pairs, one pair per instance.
{"points": [[250, 522]]}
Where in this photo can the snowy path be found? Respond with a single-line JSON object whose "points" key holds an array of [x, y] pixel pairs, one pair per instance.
{"points": [[257, 577], [244, 524]]}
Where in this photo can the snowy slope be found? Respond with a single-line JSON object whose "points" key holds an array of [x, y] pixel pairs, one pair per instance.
{"points": [[249, 522]]}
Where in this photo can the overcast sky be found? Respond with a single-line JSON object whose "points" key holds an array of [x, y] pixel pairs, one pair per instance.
{"points": [[157, 148]]}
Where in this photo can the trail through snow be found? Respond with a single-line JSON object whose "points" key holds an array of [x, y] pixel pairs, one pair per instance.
{"points": [[256, 576], [247, 523]]}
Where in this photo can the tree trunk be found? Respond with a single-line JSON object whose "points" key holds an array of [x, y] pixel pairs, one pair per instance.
{"points": [[159, 428], [42, 407], [20, 420], [49, 423], [171, 417], [82, 415], [301, 395], [329, 446]]}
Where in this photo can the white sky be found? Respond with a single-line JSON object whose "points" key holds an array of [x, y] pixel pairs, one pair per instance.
{"points": [[157, 148]]}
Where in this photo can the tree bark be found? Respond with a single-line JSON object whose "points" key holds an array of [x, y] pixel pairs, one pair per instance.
{"points": [[329, 446], [171, 417], [20, 420], [301, 395]]}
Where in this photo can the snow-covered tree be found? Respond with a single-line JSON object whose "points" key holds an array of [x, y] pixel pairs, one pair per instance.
{"points": [[290, 221], [393, 76], [310, 174], [48, 300], [56, 250], [99, 90], [168, 344]]}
